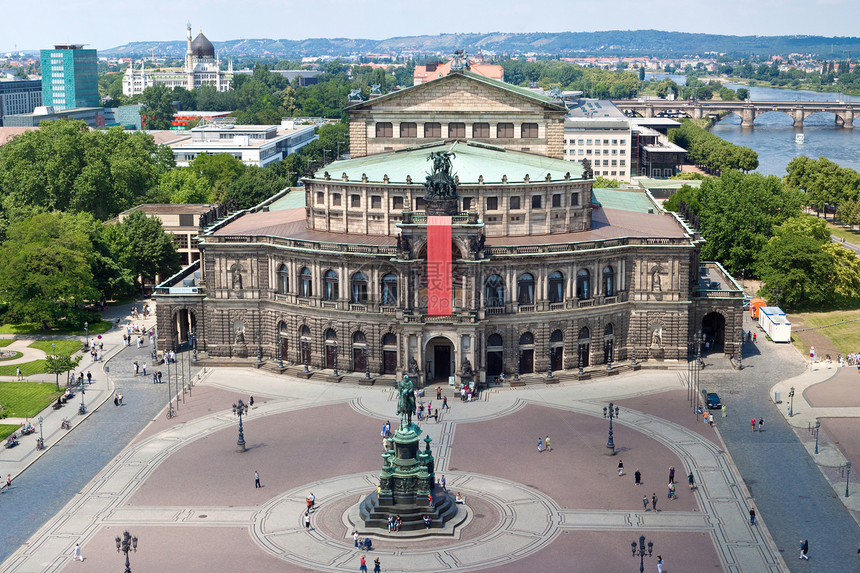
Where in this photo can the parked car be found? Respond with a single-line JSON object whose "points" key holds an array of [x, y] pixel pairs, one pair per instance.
{"points": [[713, 401]]}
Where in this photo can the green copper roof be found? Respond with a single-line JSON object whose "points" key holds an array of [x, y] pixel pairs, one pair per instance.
{"points": [[624, 199], [523, 92], [471, 160]]}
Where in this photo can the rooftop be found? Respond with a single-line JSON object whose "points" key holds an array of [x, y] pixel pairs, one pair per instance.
{"points": [[596, 108], [633, 200], [471, 160]]}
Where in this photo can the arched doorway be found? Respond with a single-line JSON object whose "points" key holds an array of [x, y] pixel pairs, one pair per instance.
{"points": [[714, 330], [359, 352], [583, 346], [389, 353], [330, 347], [184, 322], [556, 350], [527, 353], [439, 353], [495, 355], [305, 341], [608, 343], [285, 341]]}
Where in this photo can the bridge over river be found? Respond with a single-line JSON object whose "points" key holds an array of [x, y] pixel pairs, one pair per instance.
{"points": [[845, 112]]}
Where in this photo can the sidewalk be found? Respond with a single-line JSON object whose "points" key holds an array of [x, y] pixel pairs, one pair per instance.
{"points": [[15, 460]]}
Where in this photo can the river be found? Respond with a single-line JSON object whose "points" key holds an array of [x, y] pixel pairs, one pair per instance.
{"points": [[773, 135]]}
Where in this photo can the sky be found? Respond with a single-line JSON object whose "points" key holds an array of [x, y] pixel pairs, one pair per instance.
{"points": [[103, 25]]}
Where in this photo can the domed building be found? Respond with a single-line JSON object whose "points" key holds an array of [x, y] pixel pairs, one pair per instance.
{"points": [[201, 68], [454, 241]]}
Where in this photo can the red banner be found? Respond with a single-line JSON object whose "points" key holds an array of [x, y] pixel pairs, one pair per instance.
{"points": [[439, 269]]}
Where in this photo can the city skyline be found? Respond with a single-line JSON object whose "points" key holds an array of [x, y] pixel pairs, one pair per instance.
{"points": [[254, 19]]}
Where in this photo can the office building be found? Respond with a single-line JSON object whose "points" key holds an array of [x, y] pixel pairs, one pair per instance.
{"points": [[69, 77]]}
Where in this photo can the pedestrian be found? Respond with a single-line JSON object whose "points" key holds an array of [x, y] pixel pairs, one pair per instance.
{"points": [[788, 408], [78, 556], [136, 367], [8, 481], [377, 568], [159, 377], [755, 335], [671, 491], [654, 501], [659, 564], [120, 398], [116, 399], [257, 479], [312, 499], [155, 377], [355, 536], [363, 564], [752, 516], [691, 480], [671, 474], [645, 502], [620, 468], [307, 521], [546, 444], [443, 483], [760, 424], [540, 445], [804, 549], [89, 377], [438, 392], [251, 402], [753, 424], [436, 415], [724, 410], [445, 405], [144, 368], [637, 477], [18, 373]]}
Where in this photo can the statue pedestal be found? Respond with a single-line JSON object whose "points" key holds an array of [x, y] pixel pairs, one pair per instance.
{"points": [[656, 353], [240, 350]]}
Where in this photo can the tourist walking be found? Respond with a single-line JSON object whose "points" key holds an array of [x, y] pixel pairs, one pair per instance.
{"points": [[671, 495], [753, 424], [645, 502], [540, 445], [377, 568], [144, 368], [18, 373], [120, 398], [362, 564], [78, 556], [752, 516], [257, 480], [445, 405], [659, 564], [116, 399], [620, 468], [307, 521], [311, 500], [355, 536], [671, 474], [654, 501], [760, 424], [442, 482], [637, 477], [546, 444], [89, 377], [804, 549]]}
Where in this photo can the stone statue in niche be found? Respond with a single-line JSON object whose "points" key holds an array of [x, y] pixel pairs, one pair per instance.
{"points": [[655, 280], [657, 336], [467, 372], [413, 367], [237, 278]]}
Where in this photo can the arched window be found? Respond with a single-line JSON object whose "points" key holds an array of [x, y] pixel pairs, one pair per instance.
{"points": [[359, 288], [389, 339], [556, 336], [330, 284], [527, 338], [306, 281], [608, 281], [526, 289], [584, 335], [609, 330], [305, 332], [556, 287], [330, 336], [359, 338], [389, 290], [495, 341], [495, 291], [283, 279], [583, 284], [384, 129]]}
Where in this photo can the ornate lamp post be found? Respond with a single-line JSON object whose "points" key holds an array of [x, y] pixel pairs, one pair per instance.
{"points": [[741, 349], [305, 356], [549, 368], [609, 357], [41, 444], [366, 364], [791, 402], [87, 332], [847, 467], [579, 358], [611, 413], [280, 357], [259, 346], [125, 544], [240, 410], [335, 359], [154, 345], [517, 371], [641, 552], [816, 429], [193, 346]]}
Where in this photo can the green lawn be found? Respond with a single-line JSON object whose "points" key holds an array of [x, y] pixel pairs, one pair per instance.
{"points": [[34, 328], [26, 399], [63, 346], [6, 341], [7, 430], [845, 337], [850, 236], [15, 355], [27, 368]]}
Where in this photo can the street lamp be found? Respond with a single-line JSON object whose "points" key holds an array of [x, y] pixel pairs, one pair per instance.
{"points": [[280, 357], [366, 364], [609, 357], [154, 345], [305, 353], [816, 429], [87, 332], [847, 467], [642, 552], [124, 545], [41, 444], [611, 413], [549, 368], [517, 371], [579, 359], [791, 402], [335, 359], [170, 412], [741, 349], [240, 410], [193, 346]]}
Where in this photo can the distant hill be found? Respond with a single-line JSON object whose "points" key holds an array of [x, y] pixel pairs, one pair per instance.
{"points": [[611, 43]]}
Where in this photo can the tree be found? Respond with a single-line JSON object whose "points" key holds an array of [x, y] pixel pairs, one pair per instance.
{"points": [[45, 271], [253, 186], [157, 108], [743, 94], [142, 246], [59, 363], [183, 185]]}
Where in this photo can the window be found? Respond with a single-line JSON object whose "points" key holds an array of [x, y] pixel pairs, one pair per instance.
{"points": [[605, 142], [384, 129], [481, 130], [305, 280], [408, 129], [457, 130], [614, 152], [574, 199], [359, 288], [389, 290], [335, 199], [579, 141], [622, 163], [432, 129], [505, 131], [495, 291], [587, 151], [614, 142], [581, 152], [623, 142], [556, 288], [536, 201], [397, 202], [588, 141], [529, 131], [515, 203], [623, 152], [583, 284], [355, 201], [186, 220], [556, 200], [492, 203], [375, 202], [419, 203], [605, 163], [330, 284], [526, 289], [283, 279], [467, 203], [614, 162]]}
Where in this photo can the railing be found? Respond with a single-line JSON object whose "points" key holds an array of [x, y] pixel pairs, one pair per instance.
{"points": [[304, 302], [388, 309], [526, 308], [610, 299], [556, 306], [585, 303], [495, 310], [328, 304], [358, 307]]}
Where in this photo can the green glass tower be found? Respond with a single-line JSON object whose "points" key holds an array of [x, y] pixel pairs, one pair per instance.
{"points": [[70, 77]]}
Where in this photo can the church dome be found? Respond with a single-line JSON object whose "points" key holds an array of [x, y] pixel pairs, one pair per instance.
{"points": [[202, 47]]}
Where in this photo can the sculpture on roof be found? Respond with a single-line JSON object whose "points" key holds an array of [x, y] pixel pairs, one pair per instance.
{"points": [[587, 172], [355, 95], [375, 89], [441, 183], [460, 61]]}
